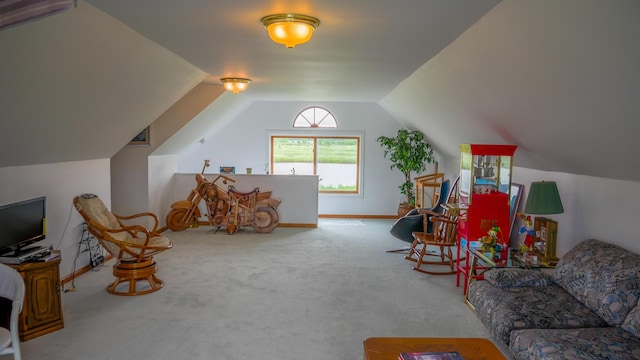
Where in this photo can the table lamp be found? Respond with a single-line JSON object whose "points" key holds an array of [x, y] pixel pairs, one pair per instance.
{"points": [[543, 199]]}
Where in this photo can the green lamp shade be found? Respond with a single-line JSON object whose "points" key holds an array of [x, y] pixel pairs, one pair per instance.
{"points": [[543, 199]]}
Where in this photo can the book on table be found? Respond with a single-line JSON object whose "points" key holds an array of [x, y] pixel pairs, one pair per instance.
{"points": [[432, 355]]}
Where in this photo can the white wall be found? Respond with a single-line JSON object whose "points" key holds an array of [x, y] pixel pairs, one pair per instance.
{"points": [[129, 179], [161, 182], [59, 182], [80, 84], [299, 194], [243, 143], [597, 208]]}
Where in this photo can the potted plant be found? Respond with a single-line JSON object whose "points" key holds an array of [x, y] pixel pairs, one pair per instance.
{"points": [[409, 152]]}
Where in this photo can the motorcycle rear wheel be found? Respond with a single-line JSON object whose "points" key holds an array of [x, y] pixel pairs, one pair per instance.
{"points": [[266, 219], [176, 221]]}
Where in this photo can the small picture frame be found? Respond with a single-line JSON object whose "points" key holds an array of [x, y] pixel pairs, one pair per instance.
{"points": [[142, 138], [545, 239], [514, 205], [227, 169]]}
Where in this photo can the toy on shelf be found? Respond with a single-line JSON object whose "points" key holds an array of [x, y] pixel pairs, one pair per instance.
{"points": [[491, 243], [527, 228]]}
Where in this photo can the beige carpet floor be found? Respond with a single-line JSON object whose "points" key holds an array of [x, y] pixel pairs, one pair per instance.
{"points": [[292, 294]]}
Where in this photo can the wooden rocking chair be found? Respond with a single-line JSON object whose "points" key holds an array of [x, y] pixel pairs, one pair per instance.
{"points": [[443, 237], [133, 246]]}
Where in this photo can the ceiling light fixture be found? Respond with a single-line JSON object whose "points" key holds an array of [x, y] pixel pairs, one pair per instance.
{"points": [[290, 29], [235, 85]]}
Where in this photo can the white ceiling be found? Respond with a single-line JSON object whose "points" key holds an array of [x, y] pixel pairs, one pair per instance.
{"points": [[557, 78], [361, 50]]}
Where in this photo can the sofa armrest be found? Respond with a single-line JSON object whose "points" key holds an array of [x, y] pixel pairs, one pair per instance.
{"points": [[515, 277]]}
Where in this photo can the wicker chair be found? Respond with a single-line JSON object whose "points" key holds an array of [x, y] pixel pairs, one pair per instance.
{"points": [[133, 246]]}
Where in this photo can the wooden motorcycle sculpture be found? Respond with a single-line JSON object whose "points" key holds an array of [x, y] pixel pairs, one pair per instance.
{"points": [[225, 206]]}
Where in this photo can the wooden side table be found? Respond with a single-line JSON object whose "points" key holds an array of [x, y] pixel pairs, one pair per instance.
{"points": [[388, 348], [42, 307]]}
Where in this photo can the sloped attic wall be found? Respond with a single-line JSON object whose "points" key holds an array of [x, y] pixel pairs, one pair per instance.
{"points": [[79, 85], [74, 89], [559, 79]]}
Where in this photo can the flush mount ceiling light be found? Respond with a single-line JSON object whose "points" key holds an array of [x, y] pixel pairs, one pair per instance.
{"points": [[235, 85], [290, 29]]}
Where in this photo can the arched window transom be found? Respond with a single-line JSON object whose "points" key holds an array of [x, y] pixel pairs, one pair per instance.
{"points": [[315, 117]]}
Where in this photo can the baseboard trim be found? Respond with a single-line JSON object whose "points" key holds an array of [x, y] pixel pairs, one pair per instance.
{"points": [[294, 225], [82, 270], [349, 216]]}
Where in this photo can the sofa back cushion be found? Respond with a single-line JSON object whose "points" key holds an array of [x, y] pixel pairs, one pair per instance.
{"points": [[602, 276]]}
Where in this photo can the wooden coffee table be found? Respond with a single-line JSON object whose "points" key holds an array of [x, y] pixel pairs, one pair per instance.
{"points": [[387, 348]]}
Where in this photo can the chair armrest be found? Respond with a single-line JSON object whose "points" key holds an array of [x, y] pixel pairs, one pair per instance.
{"points": [[428, 212], [439, 219], [144, 214]]}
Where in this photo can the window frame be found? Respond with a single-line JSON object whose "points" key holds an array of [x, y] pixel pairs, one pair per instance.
{"points": [[315, 134]]}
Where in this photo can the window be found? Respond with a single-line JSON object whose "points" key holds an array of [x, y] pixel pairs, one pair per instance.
{"points": [[336, 159], [314, 117]]}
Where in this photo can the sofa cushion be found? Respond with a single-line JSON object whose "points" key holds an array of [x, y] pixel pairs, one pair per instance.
{"points": [[589, 343], [602, 276], [632, 321], [514, 277], [505, 309]]}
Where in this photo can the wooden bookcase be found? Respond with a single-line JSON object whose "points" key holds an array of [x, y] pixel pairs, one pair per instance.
{"points": [[545, 239], [42, 308]]}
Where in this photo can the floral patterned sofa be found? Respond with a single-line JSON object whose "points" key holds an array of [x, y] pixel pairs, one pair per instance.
{"points": [[588, 308]]}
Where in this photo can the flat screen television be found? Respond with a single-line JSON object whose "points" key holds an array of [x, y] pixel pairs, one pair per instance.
{"points": [[22, 224]]}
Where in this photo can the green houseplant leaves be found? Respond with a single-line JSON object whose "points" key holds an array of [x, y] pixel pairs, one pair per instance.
{"points": [[409, 152]]}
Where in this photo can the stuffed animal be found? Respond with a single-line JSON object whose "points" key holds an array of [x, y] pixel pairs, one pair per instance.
{"points": [[491, 242]]}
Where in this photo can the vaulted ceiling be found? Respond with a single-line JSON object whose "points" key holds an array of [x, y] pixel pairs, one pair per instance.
{"points": [[558, 78]]}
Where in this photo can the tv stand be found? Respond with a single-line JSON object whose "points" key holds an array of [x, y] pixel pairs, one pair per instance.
{"points": [[42, 308], [23, 255]]}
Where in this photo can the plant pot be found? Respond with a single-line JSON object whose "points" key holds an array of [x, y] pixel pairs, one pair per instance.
{"points": [[403, 209]]}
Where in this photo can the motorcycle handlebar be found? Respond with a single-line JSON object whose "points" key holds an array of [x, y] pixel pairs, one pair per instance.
{"points": [[226, 178]]}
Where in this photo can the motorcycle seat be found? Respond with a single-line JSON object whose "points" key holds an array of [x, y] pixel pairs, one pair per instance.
{"points": [[232, 190]]}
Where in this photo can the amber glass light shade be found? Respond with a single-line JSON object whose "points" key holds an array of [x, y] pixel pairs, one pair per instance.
{"points": [[235, 85], [290, 29]]}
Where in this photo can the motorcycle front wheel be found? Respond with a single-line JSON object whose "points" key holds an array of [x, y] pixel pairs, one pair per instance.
{"points": [[266, 219], [176, 219]]}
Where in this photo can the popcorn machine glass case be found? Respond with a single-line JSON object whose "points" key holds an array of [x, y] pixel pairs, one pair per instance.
{"points": [[485, 187]]}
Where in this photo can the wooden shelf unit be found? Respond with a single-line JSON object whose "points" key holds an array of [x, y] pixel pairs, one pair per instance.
{"points": [[433, 183]]}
